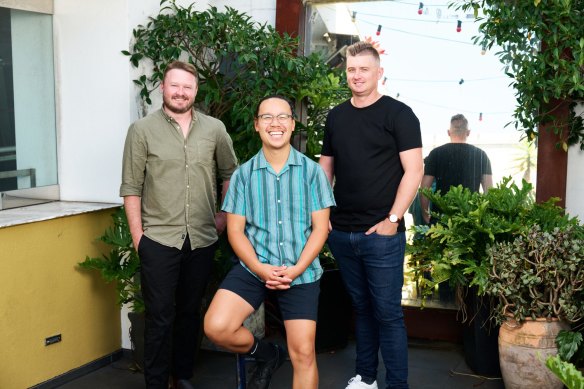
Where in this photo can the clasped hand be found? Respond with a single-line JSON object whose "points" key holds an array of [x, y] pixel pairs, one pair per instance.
{"points": [[277, 277]]}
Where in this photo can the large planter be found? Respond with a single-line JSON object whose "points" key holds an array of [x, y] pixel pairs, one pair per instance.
{"points": [[334, 313], [523, 349], [479, 335]]}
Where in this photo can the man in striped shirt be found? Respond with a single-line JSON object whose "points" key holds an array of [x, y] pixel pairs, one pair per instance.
{"points": [[277, 222]]}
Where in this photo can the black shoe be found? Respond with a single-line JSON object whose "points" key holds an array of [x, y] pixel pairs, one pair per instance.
{"points": [[262, 375]]}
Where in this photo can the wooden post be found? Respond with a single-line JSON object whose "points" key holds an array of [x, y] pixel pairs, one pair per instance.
{"points": [[552, 161]]}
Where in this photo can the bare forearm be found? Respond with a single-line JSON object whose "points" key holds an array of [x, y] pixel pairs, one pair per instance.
{"points": [[413, 166], [133, 208], [244, 250], [427, 181], [406, 192], [314, 244], [487, 182]]}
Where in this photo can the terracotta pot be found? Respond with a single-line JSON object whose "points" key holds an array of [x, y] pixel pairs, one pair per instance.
{"points": [[523, 349]]}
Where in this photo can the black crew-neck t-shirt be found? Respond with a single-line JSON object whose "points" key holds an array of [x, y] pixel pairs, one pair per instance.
{"points": [[365, 144], [456, 164]]}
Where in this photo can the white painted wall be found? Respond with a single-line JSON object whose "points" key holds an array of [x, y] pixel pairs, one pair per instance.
{"points": [[96, 99], [574, 181]]}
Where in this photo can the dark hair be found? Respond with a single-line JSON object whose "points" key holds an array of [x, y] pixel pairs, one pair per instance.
{"points": [[290, 103], [459, 124], [363, 48], [187, 67]]}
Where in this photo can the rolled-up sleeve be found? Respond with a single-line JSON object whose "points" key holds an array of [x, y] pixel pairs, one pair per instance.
{"points": [[133, 164]]}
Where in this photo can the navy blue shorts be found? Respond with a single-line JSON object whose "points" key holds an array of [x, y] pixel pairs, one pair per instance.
{"points": [[298, 302]]}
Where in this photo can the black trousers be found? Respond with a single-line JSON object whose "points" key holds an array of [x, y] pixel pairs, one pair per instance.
{"points": [[173, 283]]}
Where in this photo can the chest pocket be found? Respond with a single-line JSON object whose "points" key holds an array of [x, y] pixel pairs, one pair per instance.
{"points": [[205, 153]]}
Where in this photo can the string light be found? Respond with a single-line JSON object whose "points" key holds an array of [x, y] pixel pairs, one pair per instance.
{"points": [[459, 109], [354, 16], [421, 35], [459, 26], [384, 80], [480, 117], [420, 8], [378, 30], [483, 49], [461, 81]]}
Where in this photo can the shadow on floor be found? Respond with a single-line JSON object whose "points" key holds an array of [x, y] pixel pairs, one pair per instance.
{"points": [[432, 365]]}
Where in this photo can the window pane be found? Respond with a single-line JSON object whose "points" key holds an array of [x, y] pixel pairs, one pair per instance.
{"points": [[28, 150]]}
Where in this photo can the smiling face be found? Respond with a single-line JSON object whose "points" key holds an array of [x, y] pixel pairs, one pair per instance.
{"points": [[363, 73], [179, 89], [274, 123]]}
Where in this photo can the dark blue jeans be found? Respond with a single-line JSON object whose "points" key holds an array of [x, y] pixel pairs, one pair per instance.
{"points": [[372, 270]]}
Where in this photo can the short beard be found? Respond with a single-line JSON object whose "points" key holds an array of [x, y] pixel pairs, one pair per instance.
{"points": [[168, 106]]}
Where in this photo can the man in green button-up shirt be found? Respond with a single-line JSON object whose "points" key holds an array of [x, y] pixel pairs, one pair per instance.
{"points": [[171, 160]]}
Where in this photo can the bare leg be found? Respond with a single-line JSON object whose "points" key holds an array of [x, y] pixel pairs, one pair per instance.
{"points": [[224, 319], [301, 336]]}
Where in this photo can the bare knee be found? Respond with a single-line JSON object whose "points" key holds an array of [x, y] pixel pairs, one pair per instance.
{"points": [[302, 356], [216, 328]]}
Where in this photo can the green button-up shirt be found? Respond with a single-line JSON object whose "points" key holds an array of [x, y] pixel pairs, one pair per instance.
{"points": [[278, 208], [176, 177]]}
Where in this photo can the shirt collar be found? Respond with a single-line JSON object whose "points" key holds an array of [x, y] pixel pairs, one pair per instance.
{"points": [[294, 158], [168, 118]]}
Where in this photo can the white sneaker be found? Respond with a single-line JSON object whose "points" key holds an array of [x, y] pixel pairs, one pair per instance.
{"points": [[356, 383]]}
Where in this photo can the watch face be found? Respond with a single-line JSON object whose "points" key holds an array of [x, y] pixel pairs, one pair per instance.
{"points": [[393, 218]]}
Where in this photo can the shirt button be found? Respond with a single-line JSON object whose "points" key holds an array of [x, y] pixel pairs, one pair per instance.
{"points": [[188, 186], [278, 200], [279, 221], [186, 165], [187, 205], [281, 244]]}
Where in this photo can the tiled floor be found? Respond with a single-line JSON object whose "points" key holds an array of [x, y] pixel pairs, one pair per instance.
{"points": [[432, 365]]}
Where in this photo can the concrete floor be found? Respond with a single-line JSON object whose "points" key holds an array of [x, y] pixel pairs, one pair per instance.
{"points": [[432, 365]]}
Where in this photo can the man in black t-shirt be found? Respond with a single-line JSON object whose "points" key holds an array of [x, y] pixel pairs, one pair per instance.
{"points": [[372, 150], [456, 163]]}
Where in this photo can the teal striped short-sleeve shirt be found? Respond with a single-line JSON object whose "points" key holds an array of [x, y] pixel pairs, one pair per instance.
{"points": [[278, 208]]}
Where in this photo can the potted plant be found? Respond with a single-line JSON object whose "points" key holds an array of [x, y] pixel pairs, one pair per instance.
{"points": [[334, 319], [537, 280], [239, 61], [568, 365], [453, 249], [121, 265]]}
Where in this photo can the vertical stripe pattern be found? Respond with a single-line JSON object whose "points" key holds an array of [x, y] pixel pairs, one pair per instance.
{"points": [[278, 207]]}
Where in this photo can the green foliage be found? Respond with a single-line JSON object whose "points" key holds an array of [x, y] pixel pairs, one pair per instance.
{"points": [[454, 248], [529, 256], [239, 62], [571, 347], [122, 264], [566, 372], [543, 54], [539, 274]]}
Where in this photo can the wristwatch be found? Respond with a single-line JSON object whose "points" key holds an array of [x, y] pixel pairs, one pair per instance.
{"points": [[394, 219]]}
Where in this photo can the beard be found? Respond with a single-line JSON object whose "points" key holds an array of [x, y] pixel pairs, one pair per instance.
{"points": [[173, 107]]}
